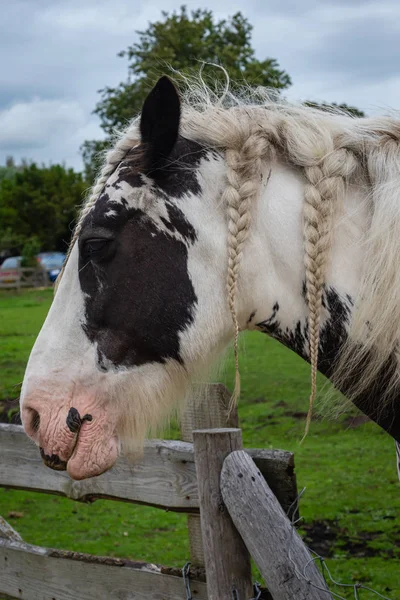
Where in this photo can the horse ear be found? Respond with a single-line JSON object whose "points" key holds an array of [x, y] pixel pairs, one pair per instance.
{"points": [[159, 123]]}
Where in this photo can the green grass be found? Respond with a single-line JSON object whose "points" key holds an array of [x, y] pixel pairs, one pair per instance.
{"points": [[349, 474], [21, 317]]}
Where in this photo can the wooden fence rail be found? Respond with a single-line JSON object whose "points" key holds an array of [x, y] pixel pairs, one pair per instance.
{"points": [[28, 277], [35, 573], [173, 475], [165, 477]]}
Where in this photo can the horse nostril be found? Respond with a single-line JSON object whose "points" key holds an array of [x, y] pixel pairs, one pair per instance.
{"points": [[31, 421], [35, 420], [75, 421]]}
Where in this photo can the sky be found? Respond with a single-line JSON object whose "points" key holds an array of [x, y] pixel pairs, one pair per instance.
{"points": [[56, 55]]}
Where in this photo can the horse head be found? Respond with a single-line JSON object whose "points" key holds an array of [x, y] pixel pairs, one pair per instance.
{"points": [[140, 306], [206, 221]]}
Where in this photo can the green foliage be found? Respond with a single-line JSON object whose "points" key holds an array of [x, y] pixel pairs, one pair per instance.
{"points": [[351, 110], [7, 173], [41, 202], [29, 251], [11, 413], [92, 154], [11, 168], [9, 240], [183, 40]]}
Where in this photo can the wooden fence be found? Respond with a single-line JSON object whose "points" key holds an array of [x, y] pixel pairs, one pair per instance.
{"points": [[175, 475], [28, 277]]}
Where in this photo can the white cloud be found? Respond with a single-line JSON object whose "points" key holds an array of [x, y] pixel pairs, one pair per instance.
{"points": [[46, 131], [37, 123], [88, 19], [57, 55]]}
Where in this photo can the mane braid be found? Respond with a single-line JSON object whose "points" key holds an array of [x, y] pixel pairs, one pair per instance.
{"points": [[244, 167], [251, 127], [327, 170]]}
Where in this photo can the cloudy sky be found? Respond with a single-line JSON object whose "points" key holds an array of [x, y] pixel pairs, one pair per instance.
{"points": [[56, 55]]}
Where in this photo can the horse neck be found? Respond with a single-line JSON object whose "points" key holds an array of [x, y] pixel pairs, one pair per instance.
{"points": [[273, 275], [272, 286]]}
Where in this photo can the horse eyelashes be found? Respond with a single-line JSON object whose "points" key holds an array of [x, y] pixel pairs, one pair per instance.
{"points": [[93, 248]]}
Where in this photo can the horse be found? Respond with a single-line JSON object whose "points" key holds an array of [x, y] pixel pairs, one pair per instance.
{"points": [[214, 214]]}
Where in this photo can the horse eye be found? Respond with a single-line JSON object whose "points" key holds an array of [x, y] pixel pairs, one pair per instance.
{"points": [[94, 246]]}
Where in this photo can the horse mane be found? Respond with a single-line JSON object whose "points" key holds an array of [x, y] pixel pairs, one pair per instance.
{"points": [[330, 147]]}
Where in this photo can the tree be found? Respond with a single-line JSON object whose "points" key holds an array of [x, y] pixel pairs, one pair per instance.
{"points": [[350, 110], [92, 156], [10, 243], [41, 203], [183, 40], [7, 173], [30, 249], [10, 169]]}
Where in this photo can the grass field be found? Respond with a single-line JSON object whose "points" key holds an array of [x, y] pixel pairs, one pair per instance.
{"points": [[351, 507]]}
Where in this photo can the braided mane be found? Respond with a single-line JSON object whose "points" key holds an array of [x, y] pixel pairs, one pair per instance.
{"points": [[330, 148]]}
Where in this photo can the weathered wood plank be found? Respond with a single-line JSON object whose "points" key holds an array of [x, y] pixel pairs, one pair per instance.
{"points": [[35, 573], [278, 550], [227, 559], [28, 277], [207, 407], [165, 477], [277, 467], [7, 532]]}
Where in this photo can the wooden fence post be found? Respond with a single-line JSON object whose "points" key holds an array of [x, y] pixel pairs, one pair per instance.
{"points": [[278, 550], [208, 407], [227, 560], [7, 532]]}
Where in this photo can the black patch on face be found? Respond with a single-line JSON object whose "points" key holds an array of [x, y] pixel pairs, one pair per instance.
{"points": [[180, 176], [142, 299], [332, 337], [178, 179], [97, 218], [178, 223], [125, 174], [129, 170]]}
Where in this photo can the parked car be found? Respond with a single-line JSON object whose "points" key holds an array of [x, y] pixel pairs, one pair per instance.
{"points": [[52, 262], [9, 270]]}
